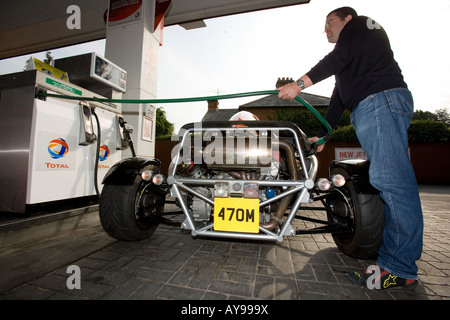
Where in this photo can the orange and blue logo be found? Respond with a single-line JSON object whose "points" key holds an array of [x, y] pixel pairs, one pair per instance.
{"points": [[58, 148], [104, 153]]}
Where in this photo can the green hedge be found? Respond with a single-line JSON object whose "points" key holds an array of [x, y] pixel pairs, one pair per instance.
{"points": [[419, 130], [428, 131], [304, 119], [346, 134]]}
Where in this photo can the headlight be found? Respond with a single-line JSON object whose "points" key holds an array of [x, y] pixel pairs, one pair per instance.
{"points": [[323, 184], [221, 189], [338, 180], [250, 190], [158, 179], [146, 175]]}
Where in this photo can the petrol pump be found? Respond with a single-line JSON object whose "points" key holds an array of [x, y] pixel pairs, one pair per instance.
{"points": [[54, 149]]}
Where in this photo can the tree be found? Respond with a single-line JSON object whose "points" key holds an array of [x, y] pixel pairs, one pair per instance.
{"points": [[424, 115], [48, 57], [440, 115], [48, 60], [443, 116], [164, 128]]}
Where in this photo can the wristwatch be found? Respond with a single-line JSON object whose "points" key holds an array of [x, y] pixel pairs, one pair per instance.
{"points": [[301, 83]]}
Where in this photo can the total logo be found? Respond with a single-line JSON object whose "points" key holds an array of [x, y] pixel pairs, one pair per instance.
{"points": [[57, 149], [103, 155]]}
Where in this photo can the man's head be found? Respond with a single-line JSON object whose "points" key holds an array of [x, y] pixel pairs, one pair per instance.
{"points": [[336, 21]]}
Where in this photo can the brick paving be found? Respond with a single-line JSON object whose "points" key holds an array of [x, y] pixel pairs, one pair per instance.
{"points": [[171, 265]]}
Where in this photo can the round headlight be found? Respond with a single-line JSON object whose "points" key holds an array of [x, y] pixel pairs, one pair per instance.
{"points": [[158, 179], [146, 175], [323, 184], [338, 180]]}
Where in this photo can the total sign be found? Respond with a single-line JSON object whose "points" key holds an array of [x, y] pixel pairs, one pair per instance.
{"points": [[57, 148], [55, 152], [103, 156]]}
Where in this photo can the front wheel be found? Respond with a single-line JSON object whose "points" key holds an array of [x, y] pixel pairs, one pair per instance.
{"points": [[123, 213], [366, 218]]}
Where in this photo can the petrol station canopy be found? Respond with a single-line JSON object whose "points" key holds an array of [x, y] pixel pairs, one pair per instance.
{"points": [[31, 26]]}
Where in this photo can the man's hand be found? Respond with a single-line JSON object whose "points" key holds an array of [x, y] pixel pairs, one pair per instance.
{"points": [[314, 139], [289, 91]]}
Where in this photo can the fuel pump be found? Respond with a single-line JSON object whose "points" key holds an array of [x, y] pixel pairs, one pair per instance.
{"points": [[64, 155]]}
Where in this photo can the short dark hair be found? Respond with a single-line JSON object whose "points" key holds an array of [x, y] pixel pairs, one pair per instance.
{"points": [[343, 12]]}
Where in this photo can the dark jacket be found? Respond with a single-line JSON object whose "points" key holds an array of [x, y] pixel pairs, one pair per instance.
{"points": [[363, 63]]}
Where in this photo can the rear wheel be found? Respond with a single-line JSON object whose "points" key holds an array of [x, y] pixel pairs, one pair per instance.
{"points": [[366, 218], [125, 213]]}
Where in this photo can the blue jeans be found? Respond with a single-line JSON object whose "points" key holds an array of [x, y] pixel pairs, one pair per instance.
{"points": [[381, 122]]}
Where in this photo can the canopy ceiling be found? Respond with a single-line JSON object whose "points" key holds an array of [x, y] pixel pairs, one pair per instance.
{"points": [[29, 26]]}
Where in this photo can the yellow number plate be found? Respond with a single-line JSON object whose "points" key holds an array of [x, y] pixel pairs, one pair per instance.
{"points": [[236, 215]]}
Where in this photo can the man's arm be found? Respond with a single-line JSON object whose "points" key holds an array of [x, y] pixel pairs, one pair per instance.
{"points": [[333, 114], [291, 90], [332, 64]]}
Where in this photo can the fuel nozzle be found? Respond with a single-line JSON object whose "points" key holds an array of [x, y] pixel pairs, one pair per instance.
{"points": [[125, 126], [125, 137], [87, 135]]}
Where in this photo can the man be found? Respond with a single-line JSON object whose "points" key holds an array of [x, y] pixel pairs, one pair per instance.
{"points": [[370, 84]]}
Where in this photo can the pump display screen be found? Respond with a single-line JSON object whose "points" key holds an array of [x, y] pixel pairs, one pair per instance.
{"points": [[107, 72]]}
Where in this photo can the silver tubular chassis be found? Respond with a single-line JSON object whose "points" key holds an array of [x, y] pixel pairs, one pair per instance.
{"points": [[228, 186], [300, 190]]}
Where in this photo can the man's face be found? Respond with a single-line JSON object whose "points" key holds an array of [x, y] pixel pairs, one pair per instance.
{"points": [[334, 26]]}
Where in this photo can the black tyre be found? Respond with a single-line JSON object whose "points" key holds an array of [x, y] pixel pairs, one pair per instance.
{"points": [[366, 217], [122, 214]]}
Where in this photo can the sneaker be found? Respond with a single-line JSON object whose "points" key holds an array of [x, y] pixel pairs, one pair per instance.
{"points": [[375, 277]]}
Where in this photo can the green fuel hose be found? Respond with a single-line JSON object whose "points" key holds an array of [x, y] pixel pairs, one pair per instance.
{"points": [[196, 99]]}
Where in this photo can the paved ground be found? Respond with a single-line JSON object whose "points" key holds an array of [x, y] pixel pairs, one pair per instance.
{"points": [[172, 265]]}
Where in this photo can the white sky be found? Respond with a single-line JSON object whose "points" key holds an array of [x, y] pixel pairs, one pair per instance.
{"points": [[248, 52]]}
